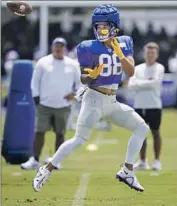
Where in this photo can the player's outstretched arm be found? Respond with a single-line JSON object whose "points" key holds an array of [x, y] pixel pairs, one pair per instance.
{"points": [[128, 64]]}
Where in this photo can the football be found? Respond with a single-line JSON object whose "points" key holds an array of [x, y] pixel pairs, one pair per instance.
{"points": [[20, 8]]}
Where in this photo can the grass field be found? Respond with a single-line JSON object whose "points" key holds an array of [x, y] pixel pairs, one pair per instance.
{"points": [[88, 177]]}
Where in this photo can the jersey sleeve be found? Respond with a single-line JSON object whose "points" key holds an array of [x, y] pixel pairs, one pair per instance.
{"points": [[84, 57], [129, 43]]}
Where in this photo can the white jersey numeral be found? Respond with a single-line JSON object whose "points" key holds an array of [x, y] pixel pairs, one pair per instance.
{"points": [[111, 66]]}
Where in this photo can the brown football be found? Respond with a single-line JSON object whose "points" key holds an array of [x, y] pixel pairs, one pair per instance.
{"points": [[20, 8]]}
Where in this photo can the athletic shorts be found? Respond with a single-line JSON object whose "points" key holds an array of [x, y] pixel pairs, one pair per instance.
{"points": [[50, 118], [151, 116]]}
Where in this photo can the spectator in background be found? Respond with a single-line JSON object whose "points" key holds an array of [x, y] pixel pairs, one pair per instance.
{"points": [[146, 83], [52, 88]]}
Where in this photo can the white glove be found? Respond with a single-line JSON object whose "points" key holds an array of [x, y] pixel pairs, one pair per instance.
{"points": [[80, 93]]}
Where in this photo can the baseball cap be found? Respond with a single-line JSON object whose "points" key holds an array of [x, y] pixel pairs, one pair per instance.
{"points": [[59, 40]]}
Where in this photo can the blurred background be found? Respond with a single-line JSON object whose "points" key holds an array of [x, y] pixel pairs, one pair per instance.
{"points": [[30, 37]]}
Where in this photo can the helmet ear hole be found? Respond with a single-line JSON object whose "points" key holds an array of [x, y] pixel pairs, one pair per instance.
{"points": [[116, 30]]}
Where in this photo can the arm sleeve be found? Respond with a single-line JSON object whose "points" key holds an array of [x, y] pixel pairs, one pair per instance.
{"points": [[36, 80], [137, 84]]}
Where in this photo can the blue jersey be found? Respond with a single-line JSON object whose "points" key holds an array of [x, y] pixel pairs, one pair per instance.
{"points": [[92, 53]]}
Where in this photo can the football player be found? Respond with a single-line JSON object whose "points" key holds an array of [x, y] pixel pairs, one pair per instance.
{"points": [[102, 62]]}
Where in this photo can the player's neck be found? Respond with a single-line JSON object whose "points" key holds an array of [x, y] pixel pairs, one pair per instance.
{"points": [[108, 43], [149, 63], [58, 57]]}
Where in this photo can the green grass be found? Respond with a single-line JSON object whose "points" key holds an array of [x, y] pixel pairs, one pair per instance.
{"points": [[102, 165]]}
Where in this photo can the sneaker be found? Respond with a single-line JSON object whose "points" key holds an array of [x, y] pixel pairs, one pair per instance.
{"points": [[141, 165], [40, 178], [31, 164], [157, 165], [49, 159], [129, 178]]}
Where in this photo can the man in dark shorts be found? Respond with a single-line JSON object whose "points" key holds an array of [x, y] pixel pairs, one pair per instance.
{"points": [[55, 78], [146, 83]]}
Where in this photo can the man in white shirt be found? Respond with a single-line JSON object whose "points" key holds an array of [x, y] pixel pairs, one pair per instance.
{"points": [[54, 81], [146, 83]]}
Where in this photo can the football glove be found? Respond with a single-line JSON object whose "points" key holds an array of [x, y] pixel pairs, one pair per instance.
{"points": [[116, 48], [94, 73], [80, 93]]}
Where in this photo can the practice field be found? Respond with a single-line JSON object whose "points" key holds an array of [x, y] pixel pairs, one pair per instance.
{"points": [[88, 177]]}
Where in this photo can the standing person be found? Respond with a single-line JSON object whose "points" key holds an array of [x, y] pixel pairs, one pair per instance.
{"points": [[146, 83], [101, 62], [52, 85]]}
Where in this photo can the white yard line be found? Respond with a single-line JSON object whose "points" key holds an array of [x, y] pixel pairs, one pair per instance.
{"points": [[17, 173], [81, 192], [101, 140], [98, 138]]}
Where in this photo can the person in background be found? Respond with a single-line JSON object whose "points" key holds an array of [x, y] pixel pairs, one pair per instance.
{"points": [[52, 85], [146, 83]]}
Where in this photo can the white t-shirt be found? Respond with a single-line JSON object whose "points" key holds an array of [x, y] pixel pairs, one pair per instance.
{"points": [[146, 83], [53, 79]]}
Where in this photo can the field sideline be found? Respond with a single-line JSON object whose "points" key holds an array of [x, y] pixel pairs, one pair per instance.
{"points": [[88, 178]]}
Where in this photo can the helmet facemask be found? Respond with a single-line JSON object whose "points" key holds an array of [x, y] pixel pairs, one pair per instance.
{"points": [[104, 30]]}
